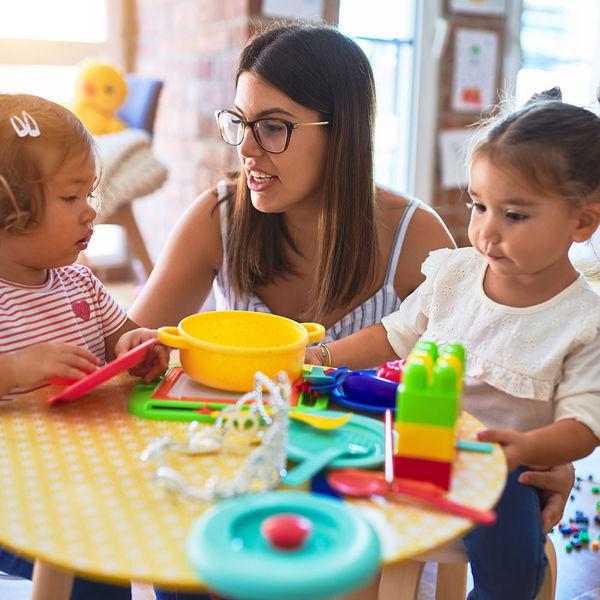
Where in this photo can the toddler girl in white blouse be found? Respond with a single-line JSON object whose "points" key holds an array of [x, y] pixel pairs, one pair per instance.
{"points": [[528, 320]]}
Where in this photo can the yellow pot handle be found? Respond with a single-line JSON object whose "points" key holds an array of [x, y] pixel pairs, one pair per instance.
{"points": [[171, 336], [316, 332]]}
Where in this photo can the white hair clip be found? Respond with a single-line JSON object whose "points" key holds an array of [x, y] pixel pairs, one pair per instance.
{"points": [[25, 126]]}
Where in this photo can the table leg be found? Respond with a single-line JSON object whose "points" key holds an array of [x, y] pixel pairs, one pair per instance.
{"points": [[50, 583]]}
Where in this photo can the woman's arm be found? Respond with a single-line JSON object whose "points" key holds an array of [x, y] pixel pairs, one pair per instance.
{"points": [[183, 275], [426, 232], [364, 349]]}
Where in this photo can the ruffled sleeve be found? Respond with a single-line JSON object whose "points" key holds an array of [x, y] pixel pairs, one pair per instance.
{"points": [[578, 393], [431, 267]]}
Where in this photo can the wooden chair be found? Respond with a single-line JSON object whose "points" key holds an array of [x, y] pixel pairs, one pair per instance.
{"points": [[401, 581], [138, 111]]}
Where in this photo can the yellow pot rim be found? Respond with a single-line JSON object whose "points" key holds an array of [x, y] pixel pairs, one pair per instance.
{"points": [[203, 344]]}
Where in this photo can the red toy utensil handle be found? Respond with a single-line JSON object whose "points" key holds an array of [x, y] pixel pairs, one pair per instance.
{"points": [[483, 517], [354, 482]]}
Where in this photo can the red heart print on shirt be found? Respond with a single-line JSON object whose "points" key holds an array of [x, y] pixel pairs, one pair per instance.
{"points": [[81, 309]]}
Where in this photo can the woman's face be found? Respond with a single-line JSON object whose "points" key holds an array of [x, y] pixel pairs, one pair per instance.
{"points": [[292, 179]]}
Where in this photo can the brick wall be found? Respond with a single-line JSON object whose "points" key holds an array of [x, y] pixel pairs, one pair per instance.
{"points": [[450, 203], [192, 45]]}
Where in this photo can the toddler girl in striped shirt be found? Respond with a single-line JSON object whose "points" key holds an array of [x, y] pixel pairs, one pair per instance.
{"points": [[56, 317]]}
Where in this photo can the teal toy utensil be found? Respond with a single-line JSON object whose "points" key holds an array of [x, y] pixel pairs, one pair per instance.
{"points": [[358, 443], [326, 450]]}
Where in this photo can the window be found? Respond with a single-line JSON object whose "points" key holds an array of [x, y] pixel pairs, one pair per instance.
{"points": [[389, 43], [42, 42], [559, 46]]}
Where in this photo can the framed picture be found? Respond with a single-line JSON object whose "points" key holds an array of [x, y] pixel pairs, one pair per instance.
{"points": [[475, 59], [479, 7], [311, 10]]}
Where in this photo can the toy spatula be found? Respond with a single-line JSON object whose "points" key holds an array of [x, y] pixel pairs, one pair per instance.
{"points": [[94, 379]]}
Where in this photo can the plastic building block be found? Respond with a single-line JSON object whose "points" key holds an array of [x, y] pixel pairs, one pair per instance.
{"points": [[425, 441], [422, 469], [428, 402]]}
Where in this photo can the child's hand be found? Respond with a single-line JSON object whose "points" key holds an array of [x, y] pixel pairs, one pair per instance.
{"points": [[554, 486], [34, 365], [156, 359], [514, 444]]}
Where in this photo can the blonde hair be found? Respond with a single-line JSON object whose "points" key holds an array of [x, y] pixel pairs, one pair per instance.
{"points": [[23, 177]]}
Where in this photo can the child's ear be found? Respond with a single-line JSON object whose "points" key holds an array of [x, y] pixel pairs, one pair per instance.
{"points": [[589, 219]]}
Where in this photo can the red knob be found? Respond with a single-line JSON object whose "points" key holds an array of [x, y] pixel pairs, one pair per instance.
{"points": [[286, 531]]}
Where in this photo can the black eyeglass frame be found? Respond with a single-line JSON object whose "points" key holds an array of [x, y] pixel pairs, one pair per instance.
{"points": [[289, 126]]}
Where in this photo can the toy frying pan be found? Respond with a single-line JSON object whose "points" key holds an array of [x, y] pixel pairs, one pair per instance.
{"points": [[95, 378], [228, 550]]}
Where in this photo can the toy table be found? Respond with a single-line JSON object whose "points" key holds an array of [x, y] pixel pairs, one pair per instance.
{"points": [[75, 497]]}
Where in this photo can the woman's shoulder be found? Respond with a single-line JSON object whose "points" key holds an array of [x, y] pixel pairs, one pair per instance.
{"points": [[425, 232], [388, 201], [425, 227]]}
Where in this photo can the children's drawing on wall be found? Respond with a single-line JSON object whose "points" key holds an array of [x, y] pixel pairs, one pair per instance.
{"points": [[475, 56], [453, 144]]}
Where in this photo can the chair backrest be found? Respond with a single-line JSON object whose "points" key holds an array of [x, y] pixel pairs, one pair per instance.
{"points": [[139, 108]]}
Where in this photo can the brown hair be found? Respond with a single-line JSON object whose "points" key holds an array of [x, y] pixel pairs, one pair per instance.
{"points": [[554, 147], [321, 69], [22, 177]]}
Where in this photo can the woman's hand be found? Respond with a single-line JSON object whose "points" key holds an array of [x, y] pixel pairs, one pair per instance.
{"points": [[555, 484]]}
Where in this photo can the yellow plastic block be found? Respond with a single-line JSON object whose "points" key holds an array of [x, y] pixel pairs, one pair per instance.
{"points": [[425, 441]]}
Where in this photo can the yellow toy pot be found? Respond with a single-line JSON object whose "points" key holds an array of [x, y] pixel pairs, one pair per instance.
{"points": [[224, 349]]}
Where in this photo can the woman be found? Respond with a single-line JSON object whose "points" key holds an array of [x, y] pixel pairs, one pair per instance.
{"points": [[303, 232]]}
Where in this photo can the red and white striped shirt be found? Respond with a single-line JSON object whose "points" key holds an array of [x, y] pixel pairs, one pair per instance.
{"points": [[72, 306]]}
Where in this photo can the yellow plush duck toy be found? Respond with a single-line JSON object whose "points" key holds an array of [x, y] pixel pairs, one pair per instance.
{"points": [[100, 89]]}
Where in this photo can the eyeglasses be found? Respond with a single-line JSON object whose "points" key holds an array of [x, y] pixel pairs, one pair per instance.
{"points": [[272, 135]]}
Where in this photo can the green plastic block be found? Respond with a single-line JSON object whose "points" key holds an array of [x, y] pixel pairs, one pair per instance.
{"points": [[418, 402], [428, 347], [454, 349]]}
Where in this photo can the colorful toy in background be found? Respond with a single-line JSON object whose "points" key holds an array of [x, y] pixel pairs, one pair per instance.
{"points": [[100, 90], [429, 401]]}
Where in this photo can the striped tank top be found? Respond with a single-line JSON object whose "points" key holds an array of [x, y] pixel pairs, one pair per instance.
{"points": [[371, 311]]}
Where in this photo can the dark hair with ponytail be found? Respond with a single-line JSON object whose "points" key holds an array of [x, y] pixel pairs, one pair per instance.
{"points": [[554, 147]]}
